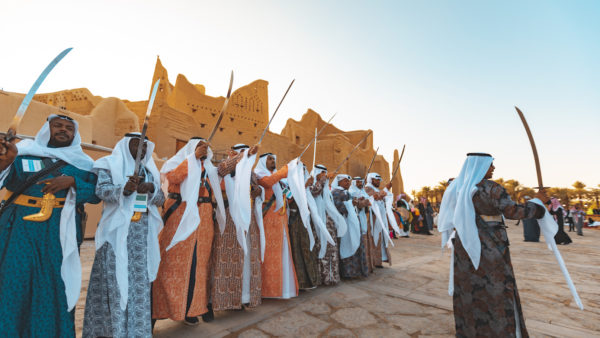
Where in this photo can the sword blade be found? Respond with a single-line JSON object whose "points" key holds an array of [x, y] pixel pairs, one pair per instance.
{"points": [[138, 155], [279, 105], [398, 165], [371, 165], [212, 134], [533, 148], [12, 129], [316, 136], [315, 151], [353, 149]]}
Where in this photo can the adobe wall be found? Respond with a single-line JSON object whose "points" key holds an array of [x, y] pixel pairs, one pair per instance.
{"points": [[182, 111]]}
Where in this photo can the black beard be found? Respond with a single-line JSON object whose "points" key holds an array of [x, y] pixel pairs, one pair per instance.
{"points": [[57, 144]]}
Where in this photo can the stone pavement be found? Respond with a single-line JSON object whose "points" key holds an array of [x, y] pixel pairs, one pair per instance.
{"points": [[410, 299]]}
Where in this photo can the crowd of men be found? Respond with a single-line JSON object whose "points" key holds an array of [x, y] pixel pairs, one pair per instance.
{"points": [[223, 237]]}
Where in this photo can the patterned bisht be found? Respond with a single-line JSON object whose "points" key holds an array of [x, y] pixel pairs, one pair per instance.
{"points": [[329, 264], [355, 265], [182, 285], [376, 250], [103, 314], [274, 268], [305, 260], [485, 300], [228, 258], [33, 302], [368, 243]]}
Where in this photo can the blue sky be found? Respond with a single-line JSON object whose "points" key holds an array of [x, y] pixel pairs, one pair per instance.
{"points": [[440, 76]]}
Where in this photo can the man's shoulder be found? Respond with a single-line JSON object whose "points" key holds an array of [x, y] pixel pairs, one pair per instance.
{"points": [[489, 184]]}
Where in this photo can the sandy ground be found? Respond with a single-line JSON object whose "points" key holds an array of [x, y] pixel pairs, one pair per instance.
{"points": [[410, 298]]}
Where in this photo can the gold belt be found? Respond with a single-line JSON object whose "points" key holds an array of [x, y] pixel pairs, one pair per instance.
{"points": [[32, 201], [494, 218]]}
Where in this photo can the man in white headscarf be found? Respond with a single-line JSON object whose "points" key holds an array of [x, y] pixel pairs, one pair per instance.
{"points": [[237, 248], [48, 180], [181, 289], [353, 261], [485, 295], [278, 272], [357, 191], [127, 251], [379, 220], [305, 258], [336, 226]]}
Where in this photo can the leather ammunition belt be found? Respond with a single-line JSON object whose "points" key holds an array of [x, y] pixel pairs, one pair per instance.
{"points": [[494, 218], [32, 201], [204, 199]]}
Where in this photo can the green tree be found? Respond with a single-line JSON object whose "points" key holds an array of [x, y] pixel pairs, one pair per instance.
{"points": [[513, 188], [580, 191], [563, 194]]}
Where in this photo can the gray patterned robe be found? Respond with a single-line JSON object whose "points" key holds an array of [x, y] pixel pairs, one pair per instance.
{"points": [[485, 300], [103, 315]]}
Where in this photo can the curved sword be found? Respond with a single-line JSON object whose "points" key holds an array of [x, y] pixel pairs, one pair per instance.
{"points": [[12, 129], [138, 155], [533, 148], [212, 134], [271, 120], [543, 223]]}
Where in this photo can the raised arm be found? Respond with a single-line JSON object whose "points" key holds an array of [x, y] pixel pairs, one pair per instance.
{"points": [[177, 175], [512, 210], [269, 181], [228, 165], [317, 188]]}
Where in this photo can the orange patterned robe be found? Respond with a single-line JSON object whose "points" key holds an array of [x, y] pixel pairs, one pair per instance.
{"points": [[170, 289], [275, 222]]}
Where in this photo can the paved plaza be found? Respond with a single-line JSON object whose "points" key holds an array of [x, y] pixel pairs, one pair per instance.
{"points": [[410, 298]]}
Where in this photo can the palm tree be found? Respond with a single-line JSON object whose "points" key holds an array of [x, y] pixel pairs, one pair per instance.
{"points": [[513, 187], [579, 190], [595, 193], [563, 194], [526, 191]]}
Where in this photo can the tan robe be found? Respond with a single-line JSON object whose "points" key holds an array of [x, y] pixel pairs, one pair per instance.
{"points": [[274, 222]]}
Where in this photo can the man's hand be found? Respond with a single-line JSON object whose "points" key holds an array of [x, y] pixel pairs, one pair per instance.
{"points": [[354, 202], [201, 150], [56, 184], [331, 175], [309, 182], [388, 186], [144, 188], [541, 194], [8, 153], [131, 185], [254, 193], [253, 150]]}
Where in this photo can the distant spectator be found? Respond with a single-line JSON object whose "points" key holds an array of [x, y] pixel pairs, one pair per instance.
{"points": [[556, 210], [531, 228], [578, 217]]}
